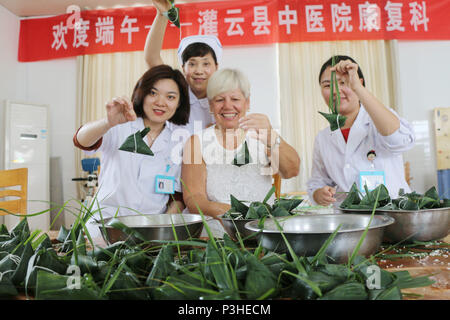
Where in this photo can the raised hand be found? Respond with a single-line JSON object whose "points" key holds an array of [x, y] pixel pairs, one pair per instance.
{"points": [[259, 126], [348, 71], [162, 5], [119, 110]]}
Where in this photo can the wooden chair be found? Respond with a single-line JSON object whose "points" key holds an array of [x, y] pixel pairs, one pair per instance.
{"points": [[12, 178], [277, 184], [408, 177]]}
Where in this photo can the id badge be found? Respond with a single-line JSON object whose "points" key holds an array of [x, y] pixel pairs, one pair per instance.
{"points": [[372, 179], [165, 184]]}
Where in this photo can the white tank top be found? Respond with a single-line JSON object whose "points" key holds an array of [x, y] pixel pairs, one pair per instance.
{"points": [[250, 182]]}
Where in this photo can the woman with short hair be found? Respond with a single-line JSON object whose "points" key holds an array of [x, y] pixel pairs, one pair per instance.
{"points": [[213, 168]]}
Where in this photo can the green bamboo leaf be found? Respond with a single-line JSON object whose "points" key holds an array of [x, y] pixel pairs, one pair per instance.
{"points": [[51, 286], [135, 143], [259, 280], [405, 280], [363, 236], [392, 293], [162, 267], [4, 230], [20, 272], [347, 291], [7, 288], [321, 253], [336, 121], [217, 268], [242, 157], [237, 205]]}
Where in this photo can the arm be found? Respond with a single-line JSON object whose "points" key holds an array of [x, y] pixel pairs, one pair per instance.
{"points": [[193, 175], [155, 37], [175, 204], [119, 110], [385, 121], [283, 158]]}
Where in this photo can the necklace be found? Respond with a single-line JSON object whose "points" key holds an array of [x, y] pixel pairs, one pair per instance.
{"points": [[151, 137]]}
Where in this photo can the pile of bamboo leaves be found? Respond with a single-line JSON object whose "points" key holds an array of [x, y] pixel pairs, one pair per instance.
{"points": [[213, 269], [258, 210], [405, 201]]}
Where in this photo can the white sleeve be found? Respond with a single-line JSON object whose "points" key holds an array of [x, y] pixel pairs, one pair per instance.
{"points": [[401, 140], [319, 174]]}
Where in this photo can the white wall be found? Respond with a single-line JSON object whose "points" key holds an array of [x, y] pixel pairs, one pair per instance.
{"points": [[259, 63], [47, 82], [10, 69], [424, 69]]}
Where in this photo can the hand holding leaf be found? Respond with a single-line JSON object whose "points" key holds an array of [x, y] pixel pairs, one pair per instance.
{"points": [[173, 14], [119, 110], [334, 118]]}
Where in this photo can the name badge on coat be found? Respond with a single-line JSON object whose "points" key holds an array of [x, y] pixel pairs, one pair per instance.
{"points": [[372, 179], [164, 184]]}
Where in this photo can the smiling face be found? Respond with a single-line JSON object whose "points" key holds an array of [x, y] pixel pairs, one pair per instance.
{"points": [[228, 107], [197, 71], [349, 100], [162, 101]]}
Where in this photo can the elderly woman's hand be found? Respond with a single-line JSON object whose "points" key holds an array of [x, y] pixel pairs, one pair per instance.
{"points": [[259, 124]]}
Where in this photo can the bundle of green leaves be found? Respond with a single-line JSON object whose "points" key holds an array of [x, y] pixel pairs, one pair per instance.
{"points": [[334, 118], [406, 201], [258, 210], [215, 269]]}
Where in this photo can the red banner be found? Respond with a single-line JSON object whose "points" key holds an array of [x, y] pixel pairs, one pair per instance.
{"points": [[236, 23]]}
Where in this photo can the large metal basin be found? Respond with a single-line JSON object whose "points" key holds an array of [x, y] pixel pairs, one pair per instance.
{"points": [[156, 227], [306, 234], [235, 226], [418, 225]]}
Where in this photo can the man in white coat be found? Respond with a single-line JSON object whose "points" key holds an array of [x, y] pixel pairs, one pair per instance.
{"points": [[367, 150]]}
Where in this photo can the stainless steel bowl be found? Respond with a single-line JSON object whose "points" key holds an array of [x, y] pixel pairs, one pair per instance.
{"points": [[356, 211], [418, 225], [234, 226], [156, 227], [306, 234]]}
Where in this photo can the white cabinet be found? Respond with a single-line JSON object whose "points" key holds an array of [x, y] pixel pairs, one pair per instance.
{"points": [[25, 143]]}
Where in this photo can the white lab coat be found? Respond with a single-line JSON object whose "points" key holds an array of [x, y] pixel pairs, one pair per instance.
{"points": [[337, 164], [127, 180]]}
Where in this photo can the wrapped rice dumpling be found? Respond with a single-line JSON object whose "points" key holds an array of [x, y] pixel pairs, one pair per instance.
{"points": [[243, 156], [135, 143], [334, 118], [173, 14]]}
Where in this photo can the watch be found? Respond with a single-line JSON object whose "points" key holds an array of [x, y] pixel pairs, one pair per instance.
{"points": [[276, 143]]}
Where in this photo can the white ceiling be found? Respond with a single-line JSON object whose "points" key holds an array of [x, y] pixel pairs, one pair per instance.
{"points": [[29, 8]]}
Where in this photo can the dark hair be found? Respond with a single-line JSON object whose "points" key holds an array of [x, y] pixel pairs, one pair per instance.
{"points": [[197, 49], [147, 81], [336, 60]]}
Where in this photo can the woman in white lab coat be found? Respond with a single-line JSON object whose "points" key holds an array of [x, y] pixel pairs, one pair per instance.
{"points": [[127, 181], [367, 149], [199, 57]]}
